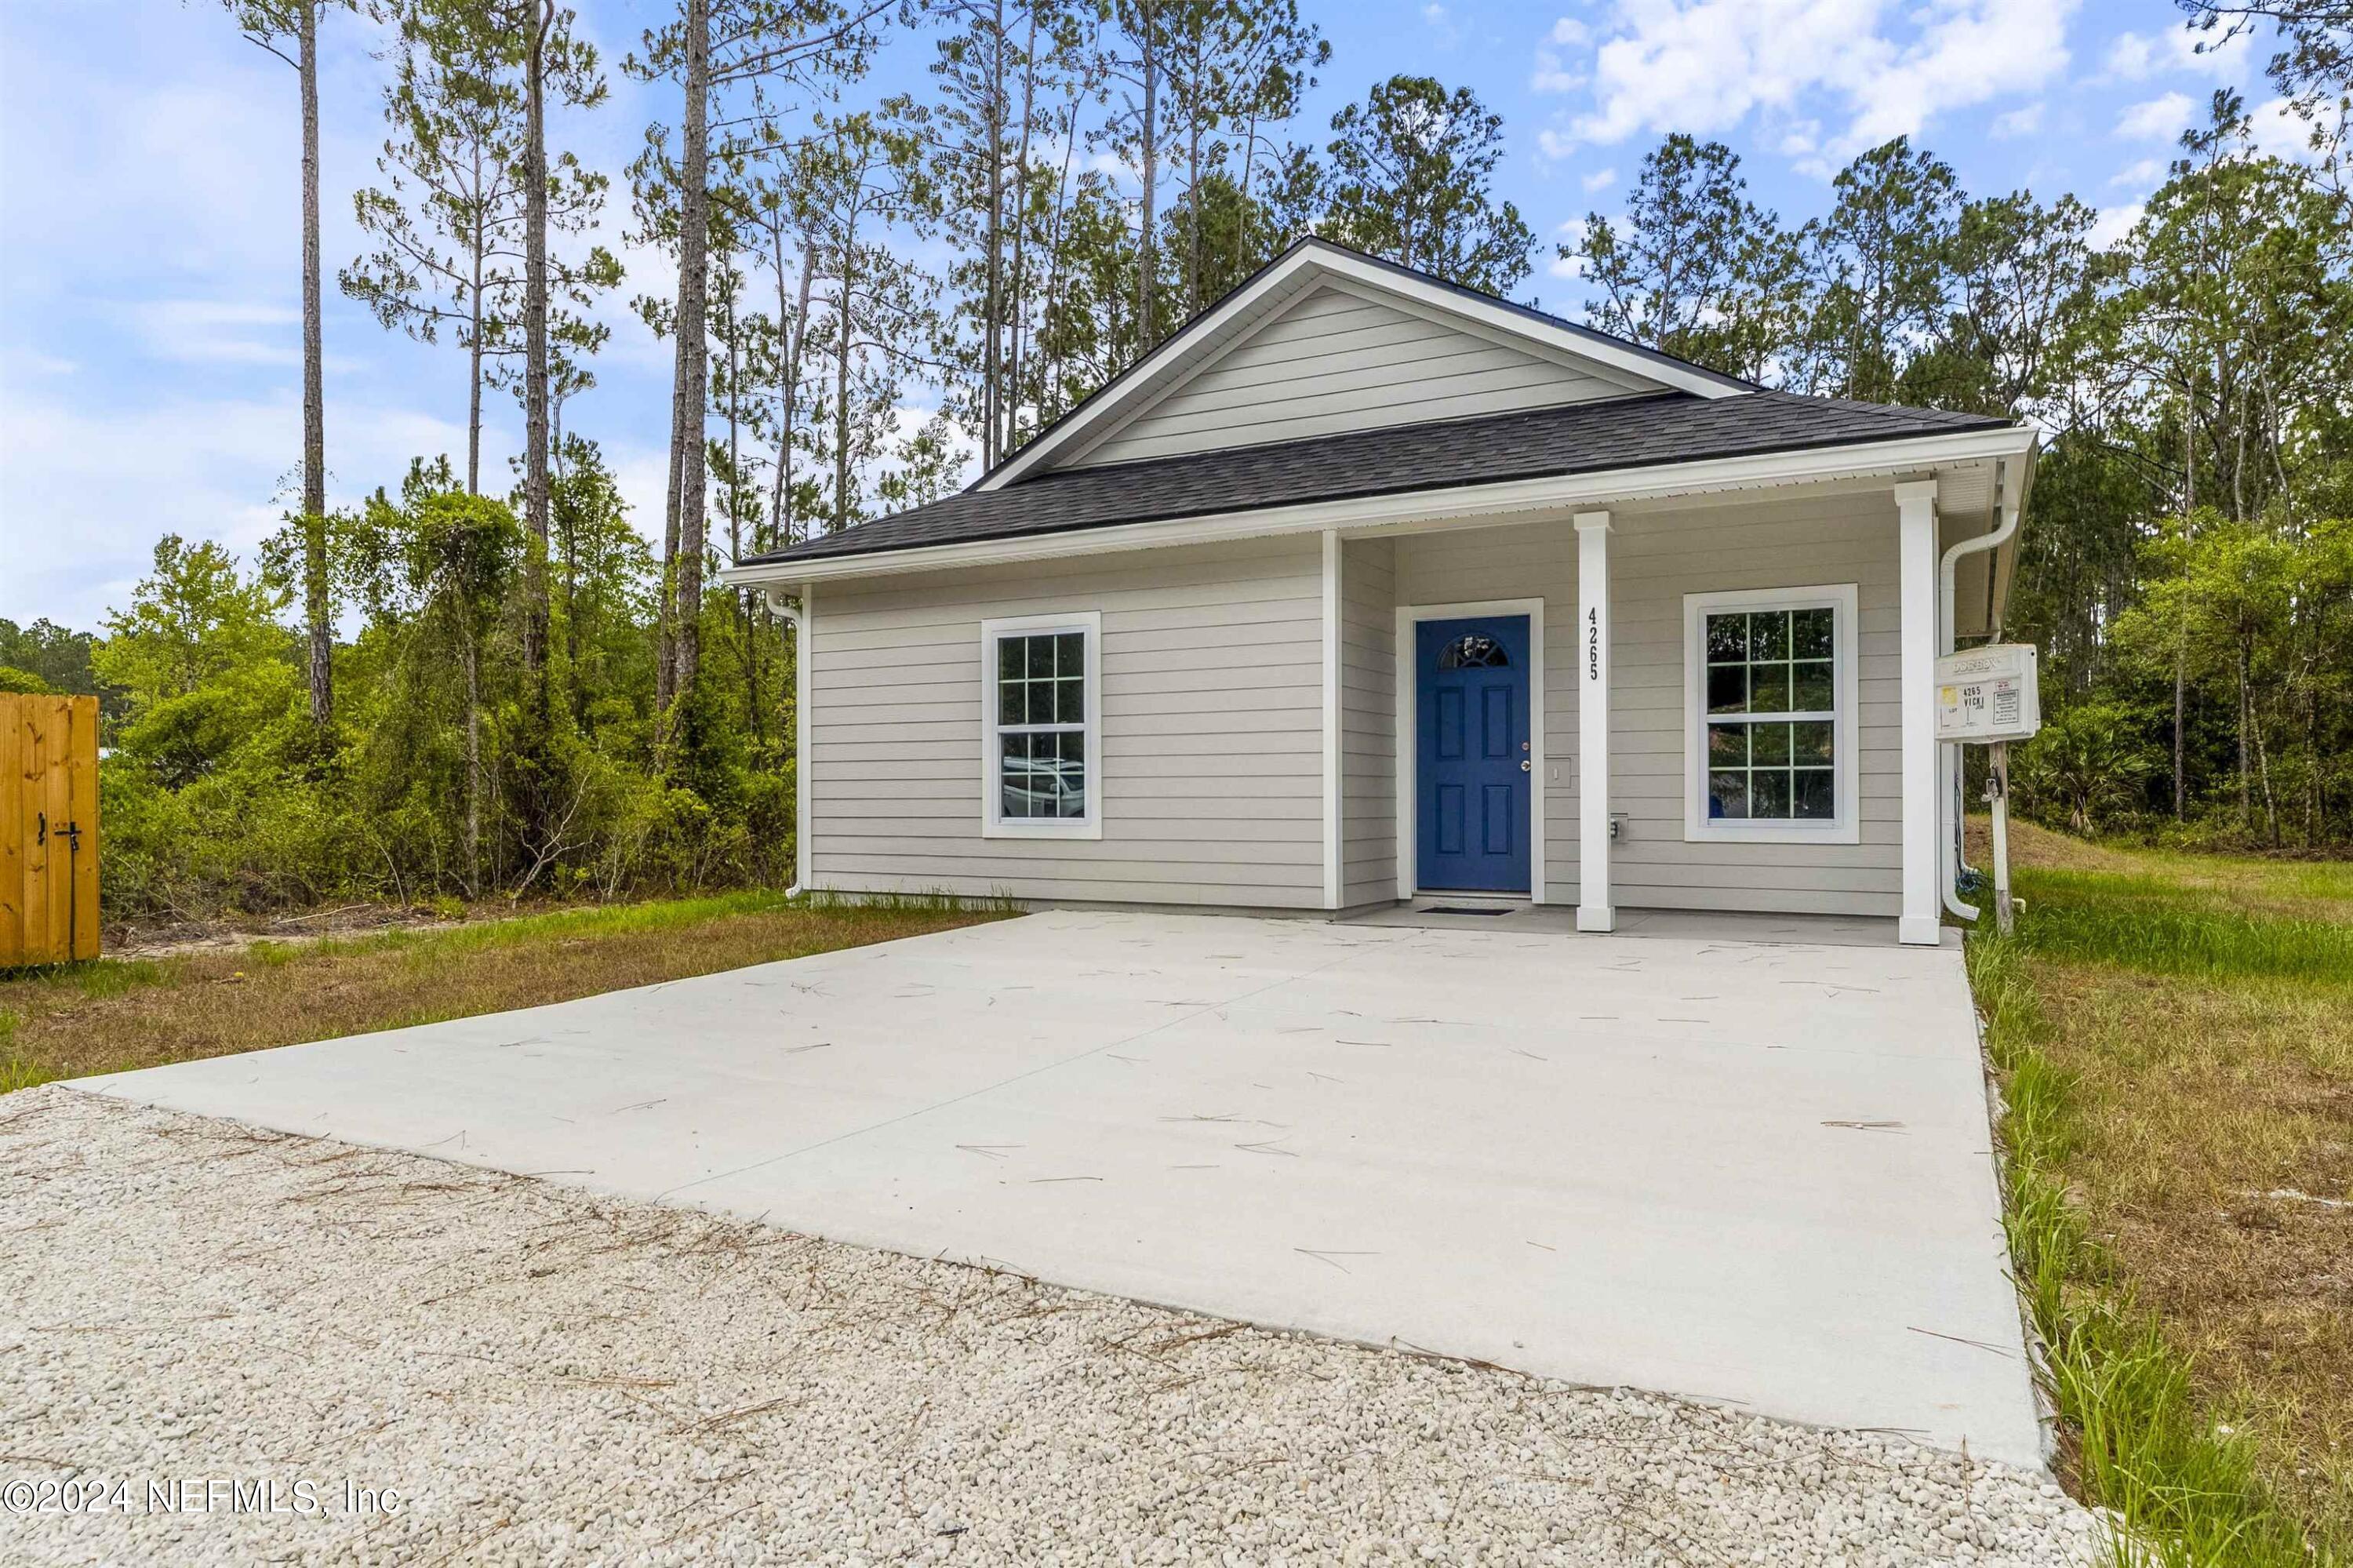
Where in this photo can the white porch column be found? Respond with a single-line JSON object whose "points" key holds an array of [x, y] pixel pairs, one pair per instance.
{"points": [[1594, 911], [1916, 509], [1332, 719]]}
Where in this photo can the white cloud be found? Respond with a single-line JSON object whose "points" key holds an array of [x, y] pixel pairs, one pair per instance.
{"points": [[2159, 120], [1704, 65], [2131, 57], [95, 489], [1599, 179], [2281, 131], [2136, 56], [2018, 123], [2114, 223], [219, 331], [1570, 33], [1442, 24], [2141, 177], [641, 474], [1552, 76]]}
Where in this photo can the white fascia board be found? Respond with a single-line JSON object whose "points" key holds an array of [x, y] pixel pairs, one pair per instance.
{"points": [[1154, 377], [1813, 465]]}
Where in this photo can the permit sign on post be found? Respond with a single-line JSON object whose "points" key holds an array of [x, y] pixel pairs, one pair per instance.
{"points": [[1987, 694]]}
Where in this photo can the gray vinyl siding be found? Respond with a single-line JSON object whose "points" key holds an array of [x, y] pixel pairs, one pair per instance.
{"points": [[1368, 722], [1338, 361], [1655, 559], [1534, 560], [1212, 715], [1213, 764]]}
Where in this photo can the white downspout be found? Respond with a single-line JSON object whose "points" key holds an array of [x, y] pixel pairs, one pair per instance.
{"points": [[1946, 639], [778, 604]]}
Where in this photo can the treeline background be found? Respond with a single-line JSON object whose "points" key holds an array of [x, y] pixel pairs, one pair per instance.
{"points": [[502, 684]]}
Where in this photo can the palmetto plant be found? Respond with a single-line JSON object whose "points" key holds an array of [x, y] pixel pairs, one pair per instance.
{"points": [[2087, 763]]}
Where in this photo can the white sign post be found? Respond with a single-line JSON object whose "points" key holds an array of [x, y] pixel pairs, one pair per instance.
{"points": [[1990, 696]]}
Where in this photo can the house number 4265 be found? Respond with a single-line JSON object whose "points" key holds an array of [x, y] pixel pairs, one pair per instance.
{"points": [[1593, 644]]}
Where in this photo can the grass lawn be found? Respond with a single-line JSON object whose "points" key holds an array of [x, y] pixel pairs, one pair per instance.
{"points": [[2174, 1032], [112, 1014]]}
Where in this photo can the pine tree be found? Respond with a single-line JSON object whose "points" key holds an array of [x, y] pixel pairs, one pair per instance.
{"points": [[1412, 180]]}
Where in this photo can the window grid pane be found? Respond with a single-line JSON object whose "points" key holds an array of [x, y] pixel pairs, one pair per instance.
{"points": [[1761, 667], [1041, 716]]}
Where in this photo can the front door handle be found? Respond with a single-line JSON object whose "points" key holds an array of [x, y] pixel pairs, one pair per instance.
{"points": [[1525, 766]]}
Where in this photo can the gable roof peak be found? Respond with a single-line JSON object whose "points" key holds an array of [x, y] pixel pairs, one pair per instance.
{"points": [[1313, 262]]}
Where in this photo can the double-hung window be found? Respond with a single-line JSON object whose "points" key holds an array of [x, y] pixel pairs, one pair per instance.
{"points": [[1042, 726], [1769, 715]]}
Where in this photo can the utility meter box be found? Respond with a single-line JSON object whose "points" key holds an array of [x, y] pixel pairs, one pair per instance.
{"points": [[1988, 693]]}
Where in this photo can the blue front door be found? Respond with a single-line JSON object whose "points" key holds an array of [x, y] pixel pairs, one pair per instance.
{"points": [[1474, 772]]}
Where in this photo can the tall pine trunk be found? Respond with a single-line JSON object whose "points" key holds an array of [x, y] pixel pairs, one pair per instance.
{"points": [[2246, 812], [794, 336], [479, 241], [841, 328], [1145, 252], [744, 597], [1050, 394], [473, 763], [694, 245], [666, 601], [786, 322], [1017, 310], [534, 311], [316, 609], [474, 379], [2181, 647], [993, 288]]}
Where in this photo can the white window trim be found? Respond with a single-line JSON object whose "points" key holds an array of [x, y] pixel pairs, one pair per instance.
{"points": [[994, 824], [1846, 827]]}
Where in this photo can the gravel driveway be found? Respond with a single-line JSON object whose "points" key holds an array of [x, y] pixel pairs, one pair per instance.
{"points": [[544, 1374]]}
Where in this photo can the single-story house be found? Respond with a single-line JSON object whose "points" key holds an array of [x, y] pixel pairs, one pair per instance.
{"points": [[1364, 586]]}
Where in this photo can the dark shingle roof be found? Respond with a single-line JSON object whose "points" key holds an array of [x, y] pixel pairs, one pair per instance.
{"points": [[1536, 443]]}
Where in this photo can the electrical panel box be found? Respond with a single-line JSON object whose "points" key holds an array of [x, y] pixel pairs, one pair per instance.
{"points": [[1988, 693]]}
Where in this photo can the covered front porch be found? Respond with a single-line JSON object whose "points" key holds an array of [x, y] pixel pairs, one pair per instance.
{"points": [[1657, 708]]}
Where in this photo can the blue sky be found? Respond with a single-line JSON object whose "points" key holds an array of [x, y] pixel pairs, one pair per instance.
{"points": [[150, 332]]}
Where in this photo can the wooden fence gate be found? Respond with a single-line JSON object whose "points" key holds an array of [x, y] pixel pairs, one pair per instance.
{"points": [[49, 829]]}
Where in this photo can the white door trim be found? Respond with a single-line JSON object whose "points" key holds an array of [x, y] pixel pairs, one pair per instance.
{"points": [[1409, 733]]}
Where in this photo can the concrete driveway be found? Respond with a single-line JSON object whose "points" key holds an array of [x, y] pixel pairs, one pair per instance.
{"points": [[1749, 1173]]}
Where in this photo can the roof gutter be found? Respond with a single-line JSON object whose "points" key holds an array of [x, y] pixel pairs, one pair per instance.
{"points": [[1465, 501]]}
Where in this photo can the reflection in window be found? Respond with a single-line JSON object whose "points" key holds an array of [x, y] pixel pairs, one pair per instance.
{"points": [[1772, 715], [1471, 651], [1041, 725]]}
